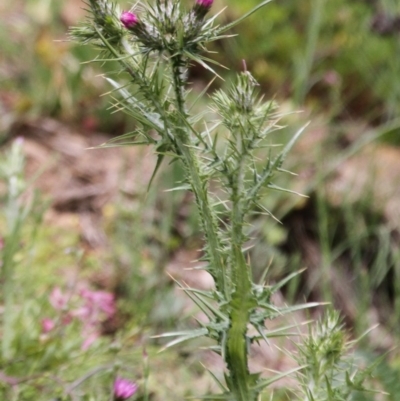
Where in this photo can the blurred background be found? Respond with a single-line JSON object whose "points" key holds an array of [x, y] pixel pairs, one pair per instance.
{"points": [[92, 220]]}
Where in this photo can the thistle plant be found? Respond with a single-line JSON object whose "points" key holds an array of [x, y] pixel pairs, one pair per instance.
{"points": [[155, 44]]}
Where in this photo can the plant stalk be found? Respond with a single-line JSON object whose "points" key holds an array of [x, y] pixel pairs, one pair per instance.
{"points": [[241, 302], [208, 220]]}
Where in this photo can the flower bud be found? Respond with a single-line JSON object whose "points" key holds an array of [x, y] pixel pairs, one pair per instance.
{"points": [[202, 7], [128, 19]]}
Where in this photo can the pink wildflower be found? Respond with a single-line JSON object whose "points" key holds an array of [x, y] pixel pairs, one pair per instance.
{"points": [[97, 307], [128, 19], [97, 302], [124, 389], [47, 325], [90, 308]]}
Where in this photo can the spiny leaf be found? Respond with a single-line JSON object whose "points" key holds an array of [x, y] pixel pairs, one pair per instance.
{"points": [[267, 382], [202, 93], [281, 157], [273, 186], [204, 305], [185, 187], [198, 60], [285, 280], [183, 333], [195, 334], [279, 332], [219, 383]]}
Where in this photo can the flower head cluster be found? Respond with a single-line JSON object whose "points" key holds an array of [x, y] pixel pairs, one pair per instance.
{"points": [[163, 26], [124, 389]]}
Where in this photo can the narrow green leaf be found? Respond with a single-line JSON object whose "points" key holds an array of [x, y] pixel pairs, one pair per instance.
{"points": [[279, 160], [202, 93], [273, 186], [184, 338], [186, 187], [182, 333], [202, 63], [219, 383], [285, 280]]}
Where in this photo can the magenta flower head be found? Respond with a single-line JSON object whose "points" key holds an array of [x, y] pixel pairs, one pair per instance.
{"points": [[202, 7], [205, 3], [128, 19], [123, 389]]}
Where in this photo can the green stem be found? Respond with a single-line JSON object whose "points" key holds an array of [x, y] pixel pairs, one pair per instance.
{"points": [[236, 347], [236, 355], [208, 220], [241, 303]]}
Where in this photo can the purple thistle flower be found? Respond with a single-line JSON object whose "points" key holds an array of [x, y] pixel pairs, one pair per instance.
{"points": [[123, 389], [205, 3], [201, 8], [128, 19]]}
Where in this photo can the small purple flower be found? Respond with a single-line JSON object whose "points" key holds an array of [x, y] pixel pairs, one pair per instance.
{"points": [[128, 19], [123, 389]]}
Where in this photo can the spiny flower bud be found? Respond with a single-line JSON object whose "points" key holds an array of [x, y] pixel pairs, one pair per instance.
{"points": [[202, 7], [128, 19]]}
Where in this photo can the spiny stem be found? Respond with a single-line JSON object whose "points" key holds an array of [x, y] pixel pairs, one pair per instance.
{"points": [[236, 346], [183, 142], [240, 304]]}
